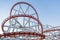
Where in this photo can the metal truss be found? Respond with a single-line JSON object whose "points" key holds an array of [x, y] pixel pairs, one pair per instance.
{"points": [[24, 24]]}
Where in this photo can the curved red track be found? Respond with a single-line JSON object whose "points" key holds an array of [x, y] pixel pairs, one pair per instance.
{"points": [[13, 34], [21, 15], [28, 33], [26, 4]]}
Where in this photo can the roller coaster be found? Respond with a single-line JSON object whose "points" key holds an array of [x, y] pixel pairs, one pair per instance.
{"points": [[24, 24]]}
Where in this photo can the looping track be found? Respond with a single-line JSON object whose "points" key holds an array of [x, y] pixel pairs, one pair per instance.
{"points": [[21, 33], [30, 28]]}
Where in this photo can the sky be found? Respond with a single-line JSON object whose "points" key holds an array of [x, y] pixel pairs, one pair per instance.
{"points": [[48, 10]]}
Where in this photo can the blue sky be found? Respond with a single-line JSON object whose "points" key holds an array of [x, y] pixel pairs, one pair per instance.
{"points": [[48, 10]]}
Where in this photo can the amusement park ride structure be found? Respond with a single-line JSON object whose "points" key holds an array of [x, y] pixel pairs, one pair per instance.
{"points": [[23, 24]]}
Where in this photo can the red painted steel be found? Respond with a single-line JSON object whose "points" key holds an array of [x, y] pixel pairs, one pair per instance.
{"points": [[28, 33], [14, 34], [21, 15], [18, 3]]}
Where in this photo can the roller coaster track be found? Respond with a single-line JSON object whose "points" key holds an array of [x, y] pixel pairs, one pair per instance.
{"points": [[24, 22]]}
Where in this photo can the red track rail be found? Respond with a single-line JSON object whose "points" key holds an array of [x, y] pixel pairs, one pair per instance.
{"points": [[22, 15], [22, 33], [13, 34], [26, 4]]}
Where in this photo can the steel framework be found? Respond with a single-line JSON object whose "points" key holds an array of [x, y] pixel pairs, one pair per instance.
{"points": [[23, 24]]}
